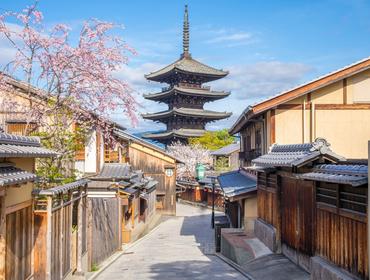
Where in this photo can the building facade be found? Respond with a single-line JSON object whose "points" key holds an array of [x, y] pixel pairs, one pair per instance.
{"points": [[185, 96], [335, 107]]}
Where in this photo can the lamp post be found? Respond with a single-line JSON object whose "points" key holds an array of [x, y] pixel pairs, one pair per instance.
{"points": [[213, 180]]}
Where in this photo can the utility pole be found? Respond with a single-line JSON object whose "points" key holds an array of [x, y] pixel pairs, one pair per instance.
{"points": [[213, 179]]}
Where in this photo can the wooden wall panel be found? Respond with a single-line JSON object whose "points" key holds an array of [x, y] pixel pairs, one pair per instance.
{"points": [[267, 204], [343, 241], [19, 245], [155, 167], [106, 226], [40, 233]]}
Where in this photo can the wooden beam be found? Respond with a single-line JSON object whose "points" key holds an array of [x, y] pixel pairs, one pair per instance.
{"points": [[2, 237], [48, 238], [272, 128], [18, 206], [345, 91]]}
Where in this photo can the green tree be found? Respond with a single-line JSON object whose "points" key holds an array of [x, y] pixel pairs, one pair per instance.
{"points": [[213, 140]]}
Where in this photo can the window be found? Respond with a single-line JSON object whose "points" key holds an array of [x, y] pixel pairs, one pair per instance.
{"points": [[20, 127], [342, 197]]}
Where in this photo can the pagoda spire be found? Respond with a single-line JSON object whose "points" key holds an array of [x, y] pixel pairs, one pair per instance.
{"points": [[185, 36]]}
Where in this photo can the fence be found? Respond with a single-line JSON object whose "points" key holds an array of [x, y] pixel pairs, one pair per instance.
{"points": [[60, 214], [105, 239]]}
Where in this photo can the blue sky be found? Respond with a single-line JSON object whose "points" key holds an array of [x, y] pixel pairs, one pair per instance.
{"points": [[267, 46]]}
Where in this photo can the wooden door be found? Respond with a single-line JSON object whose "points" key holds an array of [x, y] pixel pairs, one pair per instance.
{"points": [[297, 214]]}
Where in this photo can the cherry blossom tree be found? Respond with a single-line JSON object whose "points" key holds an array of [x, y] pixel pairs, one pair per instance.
{"points": [[65, 80], [190, 155]]}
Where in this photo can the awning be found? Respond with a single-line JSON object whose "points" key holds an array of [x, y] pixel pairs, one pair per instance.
{"points": [[237, 183]]}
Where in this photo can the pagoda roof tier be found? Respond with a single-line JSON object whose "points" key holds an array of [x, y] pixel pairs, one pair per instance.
{"points": [[187, 65], [179, 133], [198, 92], [187, 112]]}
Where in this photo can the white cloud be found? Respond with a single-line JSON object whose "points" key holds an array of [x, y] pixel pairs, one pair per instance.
{"points": [[232, 37], [262, 79], [247, 83]]}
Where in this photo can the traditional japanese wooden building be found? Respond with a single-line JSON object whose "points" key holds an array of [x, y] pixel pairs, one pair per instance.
{"points": [[185, 96], [312, 207]]}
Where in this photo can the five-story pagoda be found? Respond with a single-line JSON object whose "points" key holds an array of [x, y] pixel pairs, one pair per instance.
{"points": [[185, 96]]}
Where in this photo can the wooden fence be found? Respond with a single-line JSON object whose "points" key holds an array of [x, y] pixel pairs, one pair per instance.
{"points": [[105, 228], [54, 226], [18, 261]]}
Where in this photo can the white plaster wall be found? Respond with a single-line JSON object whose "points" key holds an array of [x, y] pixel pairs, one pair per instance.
{"points": [[90, 153], [80, 167]]}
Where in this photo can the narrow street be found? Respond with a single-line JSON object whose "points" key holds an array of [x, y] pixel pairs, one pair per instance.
{"points": [[179, 248]]}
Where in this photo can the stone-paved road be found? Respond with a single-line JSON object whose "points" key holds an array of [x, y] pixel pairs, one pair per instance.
{"points": [[179, 248]]}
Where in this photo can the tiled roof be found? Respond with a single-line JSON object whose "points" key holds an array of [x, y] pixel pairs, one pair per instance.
{"points": [[355, 175], [187, 65], [236, 183], [189, 112], [200, 92], [182, 132], [10, 139], [10, 175], [295, 154], [126, 136], [62, 188], [114, 172], [227, 150], [22, 146]]}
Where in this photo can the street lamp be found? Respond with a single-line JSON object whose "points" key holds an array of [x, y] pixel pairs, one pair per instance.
{"points": [[213, 180]]}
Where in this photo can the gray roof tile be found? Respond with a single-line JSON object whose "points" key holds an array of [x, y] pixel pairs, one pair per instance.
{"points": [[237, 182], [355, 175], [187, 65], [62, 188], [227, 150], [114, 172], [6, 138], [10, 175], [295, 154], [22, 146], [207, 114]]}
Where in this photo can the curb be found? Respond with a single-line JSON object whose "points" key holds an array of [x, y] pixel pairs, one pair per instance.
{"points": [[108, 262], [234, 265]]}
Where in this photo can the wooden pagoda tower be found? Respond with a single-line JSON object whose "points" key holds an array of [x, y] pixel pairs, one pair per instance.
{"points": [[185, 96]]}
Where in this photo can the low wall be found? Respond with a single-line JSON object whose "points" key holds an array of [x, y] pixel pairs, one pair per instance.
{"points": [[266, 233], [322, 269]]}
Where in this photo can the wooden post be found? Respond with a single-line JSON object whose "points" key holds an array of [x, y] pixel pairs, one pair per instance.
{"points": [[2, 237], [368, 216], [119, 222], [133, 213], [90, 233], [79, 234], [61, 240], [48, 238]]}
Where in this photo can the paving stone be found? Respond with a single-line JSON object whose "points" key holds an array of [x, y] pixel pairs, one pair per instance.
{"points": [[179, 248]]}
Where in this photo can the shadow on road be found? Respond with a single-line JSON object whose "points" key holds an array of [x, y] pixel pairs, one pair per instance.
{"points": [[191, 270]]}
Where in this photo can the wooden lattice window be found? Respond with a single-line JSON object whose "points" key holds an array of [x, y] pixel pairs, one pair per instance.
{"points": [[80, 152], [342, 197], [327, 194], [20, 128], [110, 155]]}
